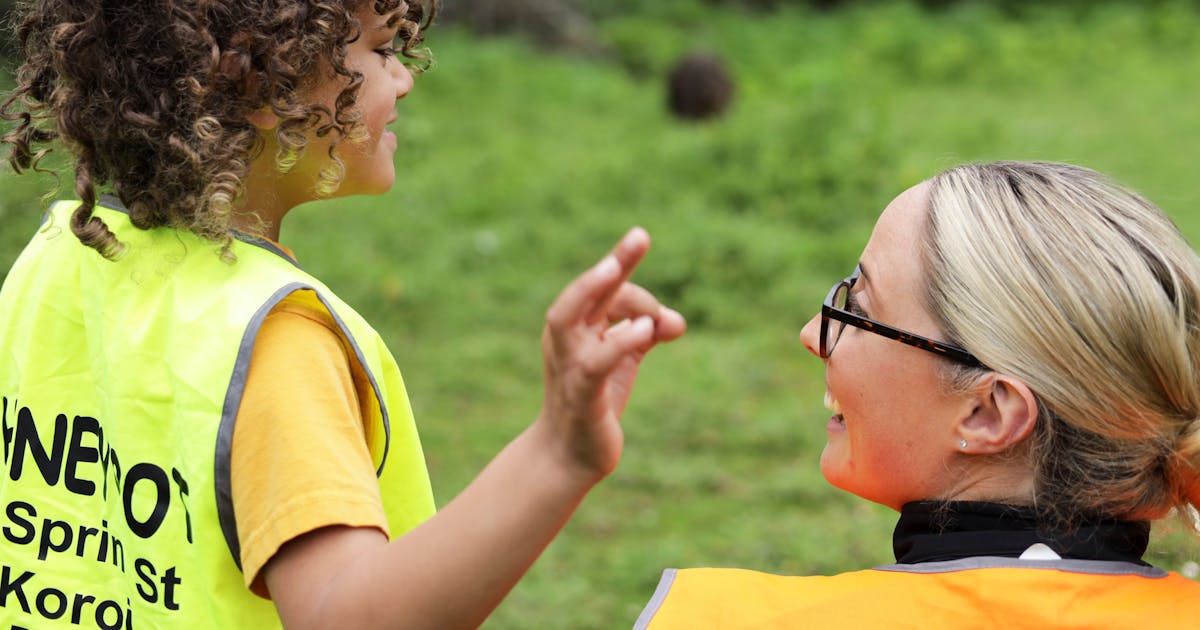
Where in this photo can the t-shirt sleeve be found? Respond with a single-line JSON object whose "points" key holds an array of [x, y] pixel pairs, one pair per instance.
{"points": [[299, 458]]}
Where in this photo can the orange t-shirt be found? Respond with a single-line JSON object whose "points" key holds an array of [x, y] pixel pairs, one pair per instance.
{"points": [[299, 458]]}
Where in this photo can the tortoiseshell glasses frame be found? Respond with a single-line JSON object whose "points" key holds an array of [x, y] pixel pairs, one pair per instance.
{"points": [[835, 308]]}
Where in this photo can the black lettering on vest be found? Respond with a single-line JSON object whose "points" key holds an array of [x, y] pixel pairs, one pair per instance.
{"points": [[8, 586], [47, 544], [60, 604], [84, 534], [118, 548], [77, 606], [155, 475], [8, 432], [169, 582], [146, 573], [27, 440], [102, 615], [118, 551], [108, 456], [183, 491], [27, 537], [78, 453]]}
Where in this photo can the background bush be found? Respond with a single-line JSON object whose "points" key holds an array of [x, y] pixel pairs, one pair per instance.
{"points": [[532, 163]]}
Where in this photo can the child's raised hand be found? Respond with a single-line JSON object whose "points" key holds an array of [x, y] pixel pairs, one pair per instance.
{"points": [[596, 334]]}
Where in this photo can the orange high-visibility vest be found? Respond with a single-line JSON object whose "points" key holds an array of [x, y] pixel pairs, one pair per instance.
{"points": [[982, 592]]}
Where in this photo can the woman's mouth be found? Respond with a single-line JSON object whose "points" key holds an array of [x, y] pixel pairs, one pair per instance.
{"points": [[838, 421]]}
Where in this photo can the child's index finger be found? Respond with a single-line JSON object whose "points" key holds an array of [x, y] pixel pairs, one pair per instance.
{"points": [[631, 248], [592, 291], [628, 253]]}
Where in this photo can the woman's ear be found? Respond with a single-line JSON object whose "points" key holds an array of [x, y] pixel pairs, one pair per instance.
{"points": [[1005, 413], [263, 118]]}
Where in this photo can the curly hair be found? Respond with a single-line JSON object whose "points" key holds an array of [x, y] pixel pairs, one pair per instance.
{"points": [[152, 97]]}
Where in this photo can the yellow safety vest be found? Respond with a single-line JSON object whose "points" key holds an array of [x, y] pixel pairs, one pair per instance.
{"points": [[984, 593], [121, 382]]}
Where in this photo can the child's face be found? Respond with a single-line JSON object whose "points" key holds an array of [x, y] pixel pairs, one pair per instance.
{"points": [[368, 155]]}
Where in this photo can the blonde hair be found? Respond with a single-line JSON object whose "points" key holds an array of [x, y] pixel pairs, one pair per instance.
{"points": [[1088, 293]]}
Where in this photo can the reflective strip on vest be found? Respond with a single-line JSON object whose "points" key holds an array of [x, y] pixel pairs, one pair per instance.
{"points": [[120, 384]]}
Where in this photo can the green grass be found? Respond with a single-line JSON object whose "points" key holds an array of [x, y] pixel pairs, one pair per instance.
{"points": [[520, 169]]}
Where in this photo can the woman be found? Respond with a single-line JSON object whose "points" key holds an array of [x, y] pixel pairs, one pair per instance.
{"points": [[1029, 447]]}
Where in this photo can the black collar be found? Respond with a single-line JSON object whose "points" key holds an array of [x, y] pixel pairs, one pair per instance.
{"points": [[930, 531]]}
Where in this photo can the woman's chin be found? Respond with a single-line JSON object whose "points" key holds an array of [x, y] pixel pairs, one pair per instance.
{"points": [[833, 466]]}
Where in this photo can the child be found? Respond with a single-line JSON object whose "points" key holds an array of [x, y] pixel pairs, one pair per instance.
{"points": [[191, 420]]}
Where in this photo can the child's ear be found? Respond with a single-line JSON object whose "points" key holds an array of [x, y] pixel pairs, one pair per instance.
{"points": [[1005, 414], [263, 118]]}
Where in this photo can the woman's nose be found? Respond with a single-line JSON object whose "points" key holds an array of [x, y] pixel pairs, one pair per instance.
{"points": [[810, 335]]}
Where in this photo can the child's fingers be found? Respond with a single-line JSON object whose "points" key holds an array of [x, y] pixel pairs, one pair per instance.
{"points": [[629, 251], [626, 338], [577, 299], [669, 324], [588, 295], [632, 301]]}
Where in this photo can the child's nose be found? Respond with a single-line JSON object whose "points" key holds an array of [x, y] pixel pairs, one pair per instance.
{"points": [[404, 81], [810, 335]]}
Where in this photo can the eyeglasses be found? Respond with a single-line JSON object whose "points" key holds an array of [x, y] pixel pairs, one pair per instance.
{"points": [[838, 305]]}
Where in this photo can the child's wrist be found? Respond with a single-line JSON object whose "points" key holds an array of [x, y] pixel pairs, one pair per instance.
{"points": [[568, 460]]}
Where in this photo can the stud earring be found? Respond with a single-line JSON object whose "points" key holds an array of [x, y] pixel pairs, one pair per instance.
{"points": [[962, 444]]}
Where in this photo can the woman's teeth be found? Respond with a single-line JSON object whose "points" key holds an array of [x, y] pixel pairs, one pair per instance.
{"points": [[831, 404]]}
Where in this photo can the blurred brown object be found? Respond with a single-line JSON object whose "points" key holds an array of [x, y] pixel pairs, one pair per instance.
{"points": [[699, 87]]}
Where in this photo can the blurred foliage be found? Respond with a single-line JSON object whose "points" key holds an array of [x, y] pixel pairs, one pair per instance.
{"points": [[568, 24], [519, 168]]}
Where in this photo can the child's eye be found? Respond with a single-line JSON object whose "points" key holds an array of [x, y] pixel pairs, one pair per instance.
{"points": [[387, 53]]}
